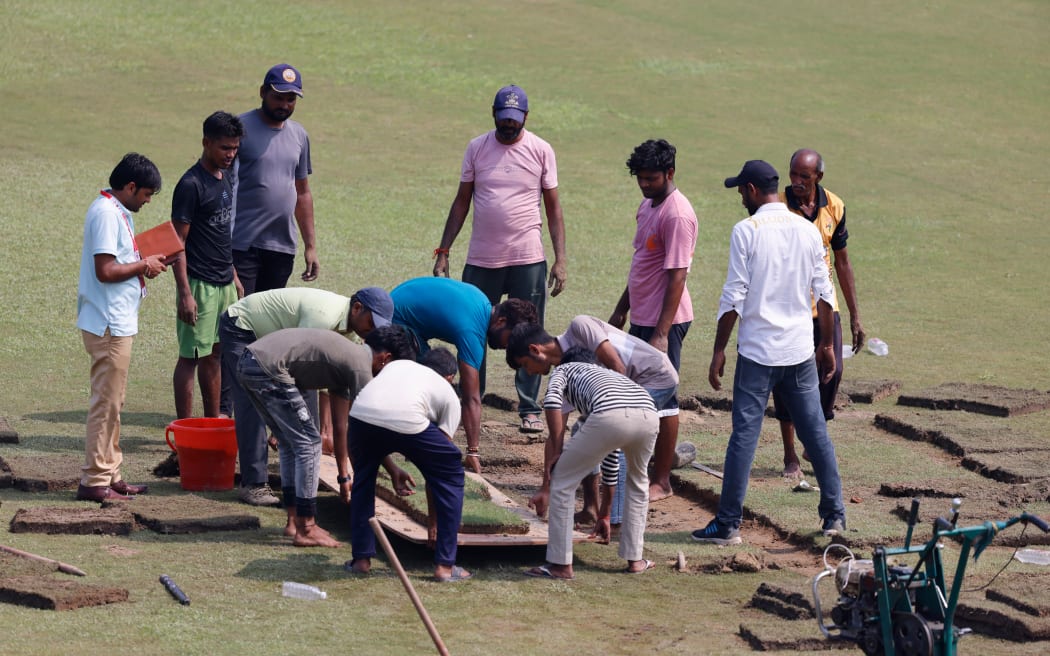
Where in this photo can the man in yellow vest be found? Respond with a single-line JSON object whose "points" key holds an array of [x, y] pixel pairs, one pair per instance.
{"points": [[807, 198]]}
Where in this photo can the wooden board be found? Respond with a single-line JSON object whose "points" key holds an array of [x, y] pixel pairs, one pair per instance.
{"points": [[396, 521]]}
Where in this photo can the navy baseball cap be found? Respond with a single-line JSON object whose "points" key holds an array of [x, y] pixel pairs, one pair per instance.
{"points": [[377, 301], [757, 172], [284, 78], [511, 102]]}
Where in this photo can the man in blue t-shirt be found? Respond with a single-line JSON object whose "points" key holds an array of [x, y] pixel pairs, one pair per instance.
{"points": [[273, 191], [205, 281], [460, 314]]}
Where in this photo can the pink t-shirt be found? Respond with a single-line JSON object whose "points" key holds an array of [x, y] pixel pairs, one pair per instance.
{"points": [[508, 190], [666, 239]]}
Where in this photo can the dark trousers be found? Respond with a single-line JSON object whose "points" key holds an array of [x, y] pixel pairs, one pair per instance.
{"points": [[674, 340], [529, 283], [260, 270], [437, 458]]}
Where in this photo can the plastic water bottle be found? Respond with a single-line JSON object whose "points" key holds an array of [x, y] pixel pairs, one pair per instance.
{"points": [[1033, 556], [878, 347], [302, 591]]}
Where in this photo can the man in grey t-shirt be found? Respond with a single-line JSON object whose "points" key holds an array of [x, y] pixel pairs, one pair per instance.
{"points": [[273, 191]]}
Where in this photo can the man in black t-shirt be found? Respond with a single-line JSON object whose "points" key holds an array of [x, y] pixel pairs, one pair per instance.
{"points": [[206, 282]]}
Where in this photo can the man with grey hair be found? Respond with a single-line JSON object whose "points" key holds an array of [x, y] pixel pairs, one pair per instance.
{"points": [[807, 198], [776, 267]]}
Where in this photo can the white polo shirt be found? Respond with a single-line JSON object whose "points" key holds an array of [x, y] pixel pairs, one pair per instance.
{"points": [[108, 230], [405, 397]]}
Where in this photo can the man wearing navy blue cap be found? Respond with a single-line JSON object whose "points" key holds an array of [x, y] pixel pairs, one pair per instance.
{"points": [[776, 268], [506, 172], [273, 192]]}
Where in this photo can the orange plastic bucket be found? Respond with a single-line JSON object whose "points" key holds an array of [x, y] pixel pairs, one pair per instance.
{"points": [[207, 448]]}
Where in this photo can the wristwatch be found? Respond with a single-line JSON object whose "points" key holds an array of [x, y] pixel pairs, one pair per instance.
{"points": [[342, 479]]}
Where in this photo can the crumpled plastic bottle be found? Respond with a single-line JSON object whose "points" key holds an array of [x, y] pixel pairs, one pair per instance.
{"points": [[878, 347], [302, 591]]}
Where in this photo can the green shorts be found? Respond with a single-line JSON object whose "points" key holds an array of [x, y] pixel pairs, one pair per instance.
{"points": [[212, 300]]}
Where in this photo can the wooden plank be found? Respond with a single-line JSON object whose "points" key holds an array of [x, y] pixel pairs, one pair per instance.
{"points": [[396, 521]]}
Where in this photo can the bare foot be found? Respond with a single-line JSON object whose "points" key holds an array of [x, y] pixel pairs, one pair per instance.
{"points": [[658, 492], [312, 535], [358, 565], [289, 529], [792, 471]]}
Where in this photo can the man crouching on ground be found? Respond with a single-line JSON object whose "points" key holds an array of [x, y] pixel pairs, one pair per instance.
{"points": [[275, 369]]}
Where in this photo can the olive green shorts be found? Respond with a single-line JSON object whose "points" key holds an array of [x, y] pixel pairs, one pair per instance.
{"points": [[197, 341]]}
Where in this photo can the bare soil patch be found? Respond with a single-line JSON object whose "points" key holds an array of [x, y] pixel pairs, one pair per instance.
{"points": [[8, 435], [87, 520], [44, 473], [188, 513], [869, 391], [984, 399], [1027, 593], [55, 594]]}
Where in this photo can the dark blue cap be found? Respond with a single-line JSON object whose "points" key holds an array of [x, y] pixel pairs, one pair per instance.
{"points": [[283, 78], [511, 102], [757, 172]]}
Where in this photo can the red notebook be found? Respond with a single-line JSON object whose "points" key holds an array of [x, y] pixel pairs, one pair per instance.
{"points": [[161, 240]]}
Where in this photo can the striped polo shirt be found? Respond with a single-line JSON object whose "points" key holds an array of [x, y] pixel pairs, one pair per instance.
{"points": [[591, 389]]}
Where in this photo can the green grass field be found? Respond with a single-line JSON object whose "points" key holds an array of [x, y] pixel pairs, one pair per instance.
{"points": [[931, 118]]}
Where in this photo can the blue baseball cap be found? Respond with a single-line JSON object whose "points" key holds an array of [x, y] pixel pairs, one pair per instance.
{"points": [[284, 78], [377, 301], [511, 102]]}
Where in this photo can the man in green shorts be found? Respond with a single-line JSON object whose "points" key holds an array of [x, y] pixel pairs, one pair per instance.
{"points": [[205, 280]]}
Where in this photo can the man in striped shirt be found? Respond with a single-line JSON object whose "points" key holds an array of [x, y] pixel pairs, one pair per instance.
{"points": [[616, 413]]}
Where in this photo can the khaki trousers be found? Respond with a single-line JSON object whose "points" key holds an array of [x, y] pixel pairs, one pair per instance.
{"points": [[110, 360], [631, 429]]}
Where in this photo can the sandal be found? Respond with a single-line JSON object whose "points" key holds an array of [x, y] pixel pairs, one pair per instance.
{"points": [[531, 424], [458, 574], [544, 572], [648, 566]]}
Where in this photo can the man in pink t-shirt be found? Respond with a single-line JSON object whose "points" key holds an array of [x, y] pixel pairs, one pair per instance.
{"points": [[656, 295], [506, 173]]}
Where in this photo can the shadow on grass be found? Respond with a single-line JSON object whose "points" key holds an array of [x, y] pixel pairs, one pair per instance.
{"points": [[146, 419], [66, 444]]}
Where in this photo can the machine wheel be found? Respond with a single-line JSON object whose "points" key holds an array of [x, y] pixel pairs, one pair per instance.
{"points": [[912, 635], [870, 641]]}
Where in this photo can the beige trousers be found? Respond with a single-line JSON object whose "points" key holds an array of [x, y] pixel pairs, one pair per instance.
{"points": [[110, 360], [631, 429]]}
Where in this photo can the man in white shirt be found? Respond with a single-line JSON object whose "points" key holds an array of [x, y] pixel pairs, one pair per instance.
{"points": [[776, 266], [410, 408]]}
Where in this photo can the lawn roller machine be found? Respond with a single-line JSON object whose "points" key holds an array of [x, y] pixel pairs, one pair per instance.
{"points": [[889, 608]]}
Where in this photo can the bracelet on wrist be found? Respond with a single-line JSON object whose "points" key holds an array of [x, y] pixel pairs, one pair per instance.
{"points": [[342, 479], [440, 251]]}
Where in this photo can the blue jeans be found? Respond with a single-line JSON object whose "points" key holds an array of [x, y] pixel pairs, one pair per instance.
{"points": [[441, 464], [527, 282], [284, 410], [798, 388]]}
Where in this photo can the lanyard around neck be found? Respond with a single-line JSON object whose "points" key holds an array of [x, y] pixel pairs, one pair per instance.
{"points": [[131, 233]]}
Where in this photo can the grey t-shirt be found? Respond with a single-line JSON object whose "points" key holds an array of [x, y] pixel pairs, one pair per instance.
{"points": [[268, 164], [645, 365], [312, 358]]}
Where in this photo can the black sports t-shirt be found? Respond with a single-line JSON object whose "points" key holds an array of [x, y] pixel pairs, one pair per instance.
{"points": [[206, 203]]}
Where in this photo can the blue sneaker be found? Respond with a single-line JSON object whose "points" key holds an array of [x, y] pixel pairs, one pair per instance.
{"points": [[715, 534], [833, 526]]}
